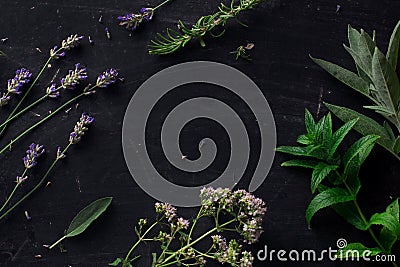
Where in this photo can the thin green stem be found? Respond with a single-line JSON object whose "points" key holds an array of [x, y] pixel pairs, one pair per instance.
{"points": [[197, 240], [23, 111], [27, 92], [194, 224], [37, 185], [41, 121], [160, 5], [13, 191], [139, 240]]}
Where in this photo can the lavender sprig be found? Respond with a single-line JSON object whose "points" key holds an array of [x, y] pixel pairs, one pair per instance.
{"points": [[105, 79], [35, 151], [14, 85], [234, 211], [74, 77], [131, 21], [55, 53], [30, 160]]}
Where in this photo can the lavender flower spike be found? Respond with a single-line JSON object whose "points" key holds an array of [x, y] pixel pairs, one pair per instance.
{"points": [[22, 76], [147, 13], [74, 77], [67, 44], [80, 128], [4, 100], [32, 154], [130, 21], [107, 78], [52, 91]]}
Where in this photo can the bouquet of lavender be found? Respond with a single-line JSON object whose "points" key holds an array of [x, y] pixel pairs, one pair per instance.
{"points": [[230, 211]]}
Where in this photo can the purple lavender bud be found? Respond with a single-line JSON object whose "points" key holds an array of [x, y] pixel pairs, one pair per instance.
{"points": [[67, 44], [4, 100], [80, 128], [74, 77], [147, 13], [32, 154], [60, 154], [22, 76], [20, 180], [107, 78], [52, 91], [130, 21]]}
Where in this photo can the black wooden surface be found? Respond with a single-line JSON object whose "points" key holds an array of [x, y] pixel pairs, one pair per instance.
{"points": [[284, 33]]}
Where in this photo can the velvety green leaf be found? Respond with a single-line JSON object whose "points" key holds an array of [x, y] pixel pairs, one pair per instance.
{"points": [[393, 49], [339, 135], [386, 82], [345, 76], [367, 44], [348, 211], [357, 153], [381, 110], [354, 37], [360, 60], [389, 131], [325, 199], [320, 172], [365, 125], [300, 163], [356, 250], [396, 146], [86, 216], [385, 219]]}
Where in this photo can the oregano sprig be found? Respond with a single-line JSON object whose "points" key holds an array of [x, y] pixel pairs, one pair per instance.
{"points": [[335, 178], [376, 78], [176, 39]]}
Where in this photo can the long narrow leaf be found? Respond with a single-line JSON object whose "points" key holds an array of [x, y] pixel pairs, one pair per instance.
{"points": [[393, 49]]}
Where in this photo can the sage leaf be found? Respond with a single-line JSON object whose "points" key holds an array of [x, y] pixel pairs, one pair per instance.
{"points": [[345, 76], [356, 250], [320, 172], [365, 125], [393, 49], [85, 217], [325, 199], [396, 146], [386, 83]]}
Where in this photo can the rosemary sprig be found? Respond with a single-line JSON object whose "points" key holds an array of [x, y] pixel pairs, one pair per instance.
{"points": [[174, 40]]}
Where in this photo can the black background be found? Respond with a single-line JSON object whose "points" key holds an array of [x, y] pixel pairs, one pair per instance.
{"points": [[284, 33]]}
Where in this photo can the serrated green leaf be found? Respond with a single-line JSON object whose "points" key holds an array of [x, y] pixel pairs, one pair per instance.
{"points": [[396, 146], [300, 163], [320, 172], [293, 150], [348, 211], [309, 122], [356, 250], [387, 239], [325, 199], [393, 49], [339, 135], [327, 129], [393, 209], [357, 153], [386, 82], [304, 140], [365, 125], [385, 219], [345, 76]]}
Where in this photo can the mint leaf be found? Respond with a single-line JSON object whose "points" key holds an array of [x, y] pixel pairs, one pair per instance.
{"points": [[339, 135], [356, 250], [116, 262], [385, 219], [348, 211], [320, 172], [325, 199], [300, 163]]}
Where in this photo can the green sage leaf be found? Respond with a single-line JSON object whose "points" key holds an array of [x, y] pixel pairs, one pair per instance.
{"points": [[393, 49], [345, 76], [396, 146], [325, 199]]}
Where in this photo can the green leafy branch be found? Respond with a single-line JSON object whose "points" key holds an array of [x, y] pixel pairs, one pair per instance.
{"points": [[174, 40], [336, 180], [376, 78]]}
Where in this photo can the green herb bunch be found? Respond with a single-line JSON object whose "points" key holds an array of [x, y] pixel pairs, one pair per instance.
{"points": [[376, 78], [174, 40], [237, 212], [335, 178]]}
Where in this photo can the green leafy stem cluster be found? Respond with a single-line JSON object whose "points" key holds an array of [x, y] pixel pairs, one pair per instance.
{"points": [[336, 180], [376, 79], [174, 40]]}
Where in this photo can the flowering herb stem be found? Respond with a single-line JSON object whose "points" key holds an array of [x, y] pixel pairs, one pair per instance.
{"points": [[13, 191], [4, 125], [161, 4], [141, 238], [37, 185]]}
